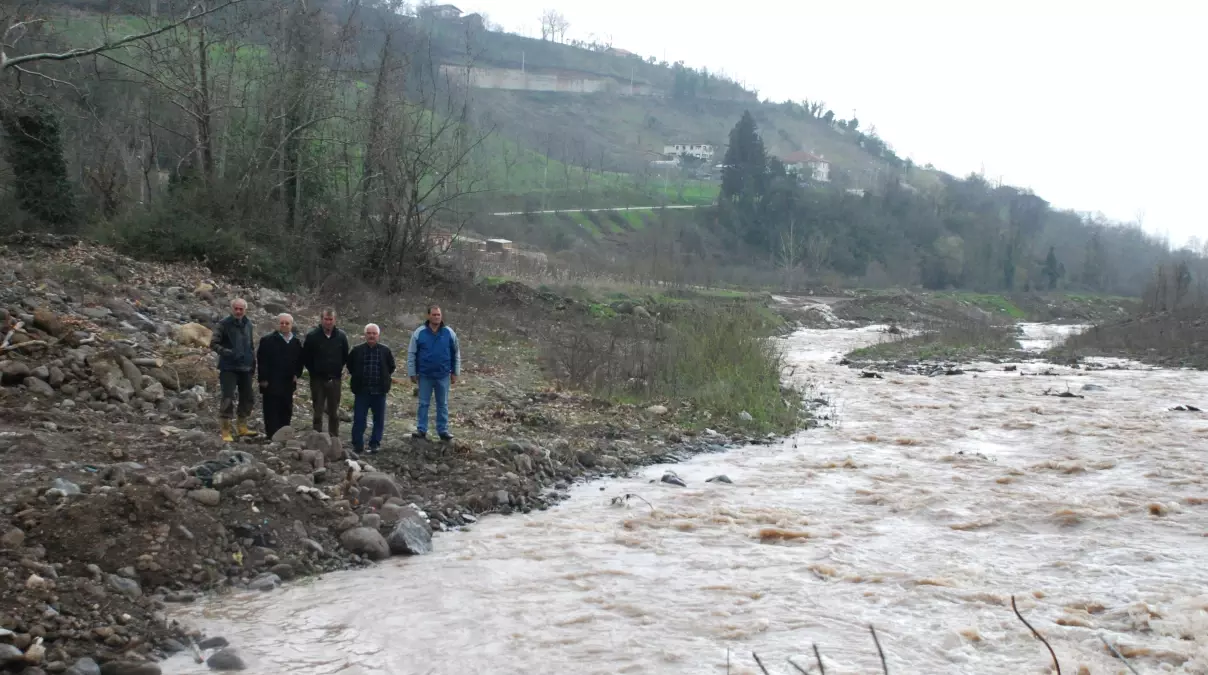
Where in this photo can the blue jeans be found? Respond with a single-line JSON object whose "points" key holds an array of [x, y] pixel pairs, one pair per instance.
{"points": [[360, 410], [428, 386]]}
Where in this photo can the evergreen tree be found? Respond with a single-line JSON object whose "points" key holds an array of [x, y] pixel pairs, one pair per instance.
{"points": [[744, 177], [1053, 270], [33, 147]]}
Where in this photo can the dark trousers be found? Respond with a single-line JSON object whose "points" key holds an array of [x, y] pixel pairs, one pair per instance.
{"points": [[230, 382], [278, 411], [361, 408], [325, 397]]}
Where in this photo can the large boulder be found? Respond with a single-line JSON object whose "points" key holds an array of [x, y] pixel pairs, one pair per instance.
{"points": [[46, 321], [377, 485], [365, 542], [411, 534], [193, 335]]}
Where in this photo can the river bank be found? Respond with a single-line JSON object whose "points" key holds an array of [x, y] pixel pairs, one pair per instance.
{"points": [[119, 501]]}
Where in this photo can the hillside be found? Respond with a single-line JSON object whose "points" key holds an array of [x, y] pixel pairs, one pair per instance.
{"points": [[276, 141]]}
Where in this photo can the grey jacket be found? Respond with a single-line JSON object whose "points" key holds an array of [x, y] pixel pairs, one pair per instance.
{"points": [[235, 344]]}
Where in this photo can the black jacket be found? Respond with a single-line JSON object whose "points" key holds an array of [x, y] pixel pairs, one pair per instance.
{"points": [[235, 344], [279, 362], [325, 357], [356, 369]]}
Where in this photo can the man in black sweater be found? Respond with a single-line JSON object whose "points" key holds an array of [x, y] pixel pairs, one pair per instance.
{"points": [[325, 353], [279, 365], [370, 365]]}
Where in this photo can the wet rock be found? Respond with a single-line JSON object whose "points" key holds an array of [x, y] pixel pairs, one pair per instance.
{"points": [[719, 479], [39, 388], [127, 587], [225, 659], [587, 459], [83, 667], [502, 498], [206, 496], [1186, 408], [366, 542], [130, 668], [216, 642], [672, 479], [411, 534], [265, 582], [284, 571]]}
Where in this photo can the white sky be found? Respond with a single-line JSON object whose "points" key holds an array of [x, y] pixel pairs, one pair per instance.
{"points": [[1097, 106]]}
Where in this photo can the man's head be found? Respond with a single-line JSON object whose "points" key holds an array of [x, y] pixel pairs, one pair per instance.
{"points": [[285, 324], [328, 319], [238, 308], [434, 315], [371, 334]]}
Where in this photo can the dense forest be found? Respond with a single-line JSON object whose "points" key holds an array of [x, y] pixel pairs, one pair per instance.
{"points": [[284, 140]]}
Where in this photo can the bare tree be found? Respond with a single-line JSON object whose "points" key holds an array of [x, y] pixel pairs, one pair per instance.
{"points": [[554, 26]]}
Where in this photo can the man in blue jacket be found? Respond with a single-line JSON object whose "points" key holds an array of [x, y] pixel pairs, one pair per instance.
{"points": [[434, 362]]}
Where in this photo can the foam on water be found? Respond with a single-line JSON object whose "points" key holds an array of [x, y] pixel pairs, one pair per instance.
{"points": [[928, 506]]}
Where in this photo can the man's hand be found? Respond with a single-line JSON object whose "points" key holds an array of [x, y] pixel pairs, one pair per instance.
{"points": [[414, 379], [452, 379], [264, 384], [295, 379]]}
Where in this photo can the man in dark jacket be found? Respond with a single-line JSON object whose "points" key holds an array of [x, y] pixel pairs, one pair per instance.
{"points": [[370, 365], [235, 343], [434, 362], [279, 364], [325, 354]]}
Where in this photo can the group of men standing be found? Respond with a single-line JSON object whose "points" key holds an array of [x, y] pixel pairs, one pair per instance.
{"points": [[280, 357]]}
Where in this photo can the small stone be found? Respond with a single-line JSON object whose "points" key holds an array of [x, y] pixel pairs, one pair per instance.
{"points": [[587, 459], [225, 659], [129, 668], [371, 520], [657, 410], [283, 570], [348, 522], [127, 587], [12, 539], [502, 498], [83, 667], [39, 387], [206, 496], [10, 654], [67, 487], [719, 479], [265, 582], [285, 434], [745, 416], [41, 372]]}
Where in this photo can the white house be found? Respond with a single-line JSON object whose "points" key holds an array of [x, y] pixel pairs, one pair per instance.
{"points": [[446, 12], [702, 151], [807, 165]]}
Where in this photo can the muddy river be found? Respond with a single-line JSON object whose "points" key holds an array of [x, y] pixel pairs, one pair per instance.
{"points": [[925, 507]]}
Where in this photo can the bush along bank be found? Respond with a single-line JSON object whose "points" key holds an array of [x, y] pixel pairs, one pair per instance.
{"points": [[118, 501]]}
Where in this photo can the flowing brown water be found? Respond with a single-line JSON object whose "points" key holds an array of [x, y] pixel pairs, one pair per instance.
{"points": [[928, 506]]}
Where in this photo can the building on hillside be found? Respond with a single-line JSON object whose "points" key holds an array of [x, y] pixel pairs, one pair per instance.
{"points": [[445, 12], [499, 245], [807, 165], [859, 192], [701, 151], [617, 51]]}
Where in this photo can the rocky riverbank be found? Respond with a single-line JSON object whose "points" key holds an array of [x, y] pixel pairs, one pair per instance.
{"points": [[118, 499]]}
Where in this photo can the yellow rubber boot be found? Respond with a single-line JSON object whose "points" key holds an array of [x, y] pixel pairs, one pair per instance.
{"points": [[242, 428], [226, 431]]}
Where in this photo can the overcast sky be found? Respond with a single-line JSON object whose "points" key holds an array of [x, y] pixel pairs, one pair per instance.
{"points": [[1097, 106]]}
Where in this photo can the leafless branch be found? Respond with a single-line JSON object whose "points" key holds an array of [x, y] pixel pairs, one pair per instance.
{"points": [[7, 62], [880, 652], [1118, 654], [760, 663], [1040, 637]]}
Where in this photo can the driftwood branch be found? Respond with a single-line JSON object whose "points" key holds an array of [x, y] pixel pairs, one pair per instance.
{"points": [[880, 652], [31, 343], [7, 62], [1118, 654], [1056, 663], [818, 658], [11, 332], [760, 664]]}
